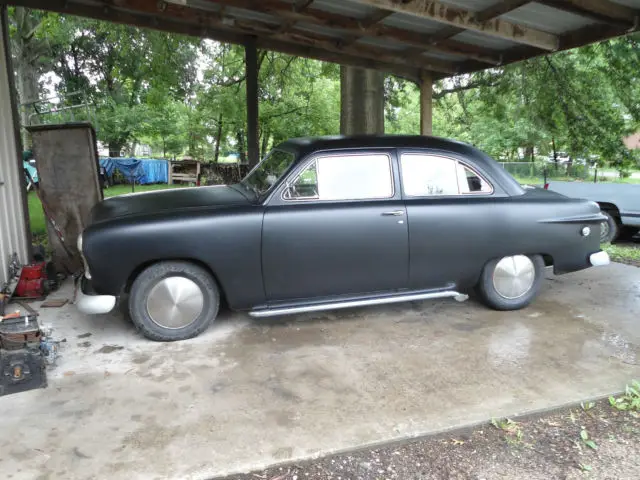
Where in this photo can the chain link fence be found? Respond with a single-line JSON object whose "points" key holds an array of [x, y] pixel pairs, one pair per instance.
{"points": [[540, 172]]}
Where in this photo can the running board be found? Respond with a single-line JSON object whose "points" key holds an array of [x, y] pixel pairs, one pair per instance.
{"points": [[318, 307]]}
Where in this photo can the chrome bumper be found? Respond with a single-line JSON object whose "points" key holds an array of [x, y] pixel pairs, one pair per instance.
{"points": [[598, 259], [92, 304]]}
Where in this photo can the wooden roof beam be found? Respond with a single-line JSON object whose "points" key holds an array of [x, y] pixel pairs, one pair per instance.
{"points": [[366, 24], [464, 19], [603, 11], [354, 27], [173, 19], [489, 13], [577, 38], [485, 15], [366, 51]]}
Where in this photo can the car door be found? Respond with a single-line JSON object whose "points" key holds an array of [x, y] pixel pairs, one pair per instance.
{"points": [[455, 216], [337, 226]]}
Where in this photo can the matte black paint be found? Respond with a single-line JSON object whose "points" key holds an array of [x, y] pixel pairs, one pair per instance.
{"points": [[269, 251]]}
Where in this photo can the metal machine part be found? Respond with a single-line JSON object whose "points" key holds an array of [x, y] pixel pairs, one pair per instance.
{"points": [[22, 365]]}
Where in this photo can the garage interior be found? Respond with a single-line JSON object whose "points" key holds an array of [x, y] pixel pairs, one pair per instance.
{"points": [[326, 382]]}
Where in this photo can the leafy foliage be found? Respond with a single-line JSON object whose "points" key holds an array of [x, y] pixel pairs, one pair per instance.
{"points": [[182, 95]]}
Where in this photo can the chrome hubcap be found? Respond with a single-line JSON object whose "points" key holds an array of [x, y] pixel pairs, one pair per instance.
{"points": [[604, 230], [514, 276], [175, 302]]}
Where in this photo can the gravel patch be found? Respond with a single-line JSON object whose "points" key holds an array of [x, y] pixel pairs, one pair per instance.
{"points": [[595, 441]]}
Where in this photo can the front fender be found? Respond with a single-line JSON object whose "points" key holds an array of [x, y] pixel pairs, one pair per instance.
{"points": [[227, 242]]}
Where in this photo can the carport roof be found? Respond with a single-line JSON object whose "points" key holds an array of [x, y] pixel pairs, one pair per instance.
{"points": [[403, 37]]}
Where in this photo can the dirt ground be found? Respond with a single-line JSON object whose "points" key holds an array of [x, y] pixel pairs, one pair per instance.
{"points": [[592, 440]]}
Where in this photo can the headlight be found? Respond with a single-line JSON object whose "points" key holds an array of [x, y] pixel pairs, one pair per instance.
{"points": [[87, 273]]}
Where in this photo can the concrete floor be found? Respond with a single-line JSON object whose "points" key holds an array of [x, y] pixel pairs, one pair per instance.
{"points": [[248, 393]]}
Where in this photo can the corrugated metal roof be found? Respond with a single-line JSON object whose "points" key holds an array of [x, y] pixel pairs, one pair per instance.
{"points": [[471, 5], [377, 42], [243, 14], [355, 10], [440, 56], [408, 22], [482, 40], [628, 3], [547, 19], [320, 30], [13, 231], [534, 27]]}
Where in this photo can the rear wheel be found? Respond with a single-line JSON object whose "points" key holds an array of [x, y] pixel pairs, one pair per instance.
{"points": [[511, 283], [173, 301], [609, 228]]}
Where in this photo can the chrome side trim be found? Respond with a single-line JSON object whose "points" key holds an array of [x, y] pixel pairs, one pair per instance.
{"points": [[271, 312], [599, 259], [94, 304]]}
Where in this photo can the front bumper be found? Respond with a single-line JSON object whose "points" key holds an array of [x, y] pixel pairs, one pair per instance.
{"points": [[90, 303], [599, 258]]}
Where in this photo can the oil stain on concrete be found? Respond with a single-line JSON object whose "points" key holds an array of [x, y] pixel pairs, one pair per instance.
{"points": [[250, 393]]}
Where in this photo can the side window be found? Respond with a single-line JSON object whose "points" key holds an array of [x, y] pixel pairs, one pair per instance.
{"points": [[425, 175], [431, 175], [305, 187], [470, 182], [344, 177]]}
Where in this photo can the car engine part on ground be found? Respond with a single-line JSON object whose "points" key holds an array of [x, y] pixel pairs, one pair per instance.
{"points": [[22, 363]]}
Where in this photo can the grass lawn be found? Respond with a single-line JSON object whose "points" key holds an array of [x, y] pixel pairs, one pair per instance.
{"points": [[623, 253], [540, 180], [36, 215]]}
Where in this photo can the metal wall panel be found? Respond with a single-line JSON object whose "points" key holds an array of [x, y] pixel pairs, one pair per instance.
{"points": [[13, 229]]}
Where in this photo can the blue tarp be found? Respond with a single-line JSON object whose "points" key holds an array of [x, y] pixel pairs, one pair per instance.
{"points": [[143, 170]]}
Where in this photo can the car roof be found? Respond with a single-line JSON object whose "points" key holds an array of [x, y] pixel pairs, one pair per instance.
{"points": [[304, 146], [310, 144]]}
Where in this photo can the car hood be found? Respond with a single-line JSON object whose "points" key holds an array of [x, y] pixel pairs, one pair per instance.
{"points": [[165, 201]]}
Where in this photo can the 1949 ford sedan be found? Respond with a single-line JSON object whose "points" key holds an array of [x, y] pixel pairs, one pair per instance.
{"points": [[333, 222]]}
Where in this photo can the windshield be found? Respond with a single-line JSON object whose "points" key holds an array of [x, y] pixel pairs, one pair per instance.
{"points": [[268, 171]]}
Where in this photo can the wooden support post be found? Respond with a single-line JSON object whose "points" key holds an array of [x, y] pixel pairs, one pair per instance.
{"points": [[251, 68], [426, 104]]}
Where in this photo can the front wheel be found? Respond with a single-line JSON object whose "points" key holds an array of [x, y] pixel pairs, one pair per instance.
{"points": [[511, 283], [609, 229], [173, 301]]}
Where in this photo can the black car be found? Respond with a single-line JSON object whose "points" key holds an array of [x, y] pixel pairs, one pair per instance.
{"points": [[333, 222]]}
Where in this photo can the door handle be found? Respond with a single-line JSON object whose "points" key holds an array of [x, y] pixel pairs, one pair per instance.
{"points": [[393, 213]]}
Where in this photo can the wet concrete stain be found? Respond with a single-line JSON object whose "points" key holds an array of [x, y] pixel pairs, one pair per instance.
{"points": [[158, 394], [109, 349], [84, 344], [85, 335], [79, 454], [142, 358], [320, 382]]}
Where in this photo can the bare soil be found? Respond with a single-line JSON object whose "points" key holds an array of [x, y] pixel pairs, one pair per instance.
{"points": [[548, 446]]}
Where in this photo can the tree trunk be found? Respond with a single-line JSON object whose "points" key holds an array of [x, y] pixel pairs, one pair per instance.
{"points": [[241, 146], [265, 143], [28, 88], [361, 101], [216, 153], [529, 152], [555, 153], [114, 149]]}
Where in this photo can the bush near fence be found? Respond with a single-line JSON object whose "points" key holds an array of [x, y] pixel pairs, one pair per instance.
{"points": [[537, 171]]}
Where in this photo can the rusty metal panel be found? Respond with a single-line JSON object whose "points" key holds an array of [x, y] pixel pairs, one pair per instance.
{"points": [[13, 228], [536, 15], [69, 185]]}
